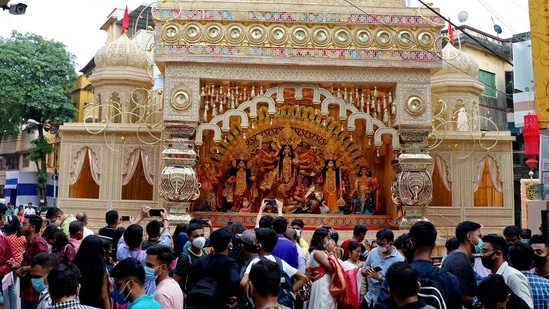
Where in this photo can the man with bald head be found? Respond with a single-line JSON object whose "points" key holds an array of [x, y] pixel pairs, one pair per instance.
{"points": [[83, 217]]}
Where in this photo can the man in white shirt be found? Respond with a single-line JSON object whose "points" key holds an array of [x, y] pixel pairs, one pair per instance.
{"points": [[83, 217], [494, 254], [157, 265], [266, 241], [29, 210]]}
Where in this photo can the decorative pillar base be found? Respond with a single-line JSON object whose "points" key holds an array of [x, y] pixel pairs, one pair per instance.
{"points": [[177, 211], [412, 214]]}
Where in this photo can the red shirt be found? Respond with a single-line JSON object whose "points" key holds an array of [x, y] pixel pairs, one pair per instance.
{"points": [[5, 254], [36, 245], [18, 245]]}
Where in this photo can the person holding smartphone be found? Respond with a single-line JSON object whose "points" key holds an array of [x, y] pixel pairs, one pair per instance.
{"points": [[130, 244], [377, 263]]}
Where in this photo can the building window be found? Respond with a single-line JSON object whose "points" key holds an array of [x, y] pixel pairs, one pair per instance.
{"points": [[26, 160], [489, 81]]}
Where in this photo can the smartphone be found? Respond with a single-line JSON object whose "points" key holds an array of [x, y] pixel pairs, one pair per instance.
{"points": [[271, 202], [377, 269], [155, 212], [125, 218]]}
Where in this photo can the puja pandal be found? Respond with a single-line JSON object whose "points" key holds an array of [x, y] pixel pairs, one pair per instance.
{"points": [[346, 114]]}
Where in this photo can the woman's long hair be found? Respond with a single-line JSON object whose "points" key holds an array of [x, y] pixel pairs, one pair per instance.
{"points": [[14, 226], [316, 240], [91, 262], [61, 240]]}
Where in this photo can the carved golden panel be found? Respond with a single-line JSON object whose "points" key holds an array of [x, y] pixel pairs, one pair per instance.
{"points": [[192, 32], [321, 36], [278, 35], [257, 34], [234, 34], [300, 36], [342, 37], [214, 33], [384, 38], [363, 37], [171, 33]]}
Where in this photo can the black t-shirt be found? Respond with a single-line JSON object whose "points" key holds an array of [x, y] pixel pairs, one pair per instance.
{"points": [[223, 269], [107, 232]]}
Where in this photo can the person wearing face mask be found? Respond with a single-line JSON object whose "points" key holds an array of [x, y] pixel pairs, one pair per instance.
{"points": [[129, 280], [520, 257], [57, 217], [540, 245], [457, 262], [41, 265], [221, 268], [190, 256], [421, 243], [494, 255], [298, 225], [64, 287], [157, 265], [30, 228], [377, 263]]}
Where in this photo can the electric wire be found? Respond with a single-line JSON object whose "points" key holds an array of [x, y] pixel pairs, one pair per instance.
{"points": [[498, 17]]}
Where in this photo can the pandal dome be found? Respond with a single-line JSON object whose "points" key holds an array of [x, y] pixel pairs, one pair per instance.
{"points": [[122, 52], [456, 61]]}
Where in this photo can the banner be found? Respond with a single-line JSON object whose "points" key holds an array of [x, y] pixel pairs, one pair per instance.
{"points": [[539, 25]]}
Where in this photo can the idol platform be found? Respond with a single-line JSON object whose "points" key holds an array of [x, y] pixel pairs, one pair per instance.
{"points": [[339, 222]]}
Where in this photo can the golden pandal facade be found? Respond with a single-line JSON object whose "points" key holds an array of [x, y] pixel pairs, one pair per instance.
{"points": [[346, 115]]}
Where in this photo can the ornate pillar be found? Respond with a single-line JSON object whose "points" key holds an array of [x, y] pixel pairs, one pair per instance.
{"points": [[412, 183], [413, 187], [178, 181]]}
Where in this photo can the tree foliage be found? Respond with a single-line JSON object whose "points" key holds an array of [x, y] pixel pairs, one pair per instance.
{"points": [[36, 79]]}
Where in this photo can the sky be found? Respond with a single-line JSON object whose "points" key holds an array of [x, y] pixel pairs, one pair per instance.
{"points": [[76, 23]]}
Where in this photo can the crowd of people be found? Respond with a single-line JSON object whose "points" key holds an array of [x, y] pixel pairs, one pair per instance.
{"points": [[60, 263]]}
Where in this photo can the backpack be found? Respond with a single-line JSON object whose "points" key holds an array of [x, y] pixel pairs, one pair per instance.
{"points": [[204, 294], [286, 294], [430, 290]]}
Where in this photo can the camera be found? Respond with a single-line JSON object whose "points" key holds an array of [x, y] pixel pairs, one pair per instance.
{"points": [[18, 9]]}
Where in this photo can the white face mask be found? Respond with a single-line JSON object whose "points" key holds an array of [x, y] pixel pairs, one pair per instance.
{"points": [[199, 242], [382, 249]]}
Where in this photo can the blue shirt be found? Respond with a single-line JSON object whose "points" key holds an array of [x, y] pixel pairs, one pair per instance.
{"points": [[124, 252], [285, 249], [145, 302], [375, 259], [539, 288], [446, 280]]}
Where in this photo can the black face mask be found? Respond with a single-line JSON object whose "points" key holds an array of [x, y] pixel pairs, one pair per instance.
{"points": [[487, 261], [539, 261]]}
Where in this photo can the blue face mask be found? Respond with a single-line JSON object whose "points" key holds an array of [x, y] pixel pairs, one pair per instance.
{"points": [[38, 284], [118, 296], [478, 246], [149, 273]]}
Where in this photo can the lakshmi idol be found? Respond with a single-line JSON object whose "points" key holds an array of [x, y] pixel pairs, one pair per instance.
{"points": [[365, 193], [241, 180]]}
